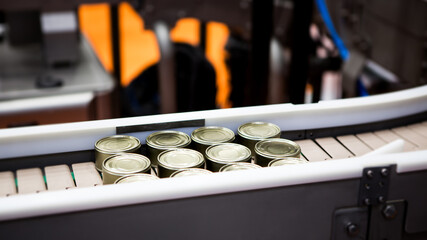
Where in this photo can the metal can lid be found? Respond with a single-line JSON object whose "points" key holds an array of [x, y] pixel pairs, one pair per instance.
{"points": [[180, 158], [239, 166], [212, 134], [258, 130], [190, 172], [277, 148], [137, 177], [228, 152], [168, 139], [286, 161], [117, 143], [126, 163]]}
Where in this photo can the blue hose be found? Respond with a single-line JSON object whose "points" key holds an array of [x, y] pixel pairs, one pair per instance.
{"points": [[324, 13]]}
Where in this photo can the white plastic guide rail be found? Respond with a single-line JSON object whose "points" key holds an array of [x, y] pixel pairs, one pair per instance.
{"points": [[82, 136], [79, 199]]}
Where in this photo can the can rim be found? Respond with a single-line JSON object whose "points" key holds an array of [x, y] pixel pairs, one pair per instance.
{"points": [[263, 154], [118, 180], [201, 159], [138, 145], [250, 137], [202, 170], [116, 173], [195, 138], [252, 166], [293, 159], [217, 160], [149, 142]]}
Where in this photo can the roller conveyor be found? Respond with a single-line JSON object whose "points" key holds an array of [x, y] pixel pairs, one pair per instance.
{"points": [[59, 159]]}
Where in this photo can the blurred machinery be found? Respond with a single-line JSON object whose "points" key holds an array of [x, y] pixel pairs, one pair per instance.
{"points": [[276, 50], [274, 54], [48, 72]]}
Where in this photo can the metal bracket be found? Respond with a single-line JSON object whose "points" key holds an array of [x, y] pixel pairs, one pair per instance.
{"points": [[387, 221], [374, 186], [350, 223]]}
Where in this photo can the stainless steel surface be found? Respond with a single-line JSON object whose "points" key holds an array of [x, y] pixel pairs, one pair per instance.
{"points": [[204, 137], [137, 177], [226, 153], [117, 166], [251, 133], [190, 172], [270, 149], [158, 142], [176, 159], [238, 167], [112, 145]]}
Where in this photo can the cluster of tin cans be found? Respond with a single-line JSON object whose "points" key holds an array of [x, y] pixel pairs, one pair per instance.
{"points": [[208, 149]]}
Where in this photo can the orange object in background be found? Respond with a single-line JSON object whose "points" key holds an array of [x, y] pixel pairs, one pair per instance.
{"points": [[139, 49]]}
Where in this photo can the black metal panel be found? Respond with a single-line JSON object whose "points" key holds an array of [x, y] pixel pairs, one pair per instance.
{"points": [[302, 15], [13, 164], [294, 212], [411, 187], [262, 30], [160, 126], [386, 221], [350, 223], [366, 127]]}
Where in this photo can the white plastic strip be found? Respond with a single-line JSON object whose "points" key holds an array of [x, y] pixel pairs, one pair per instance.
{"points": [[46, 203], [394, 147]]}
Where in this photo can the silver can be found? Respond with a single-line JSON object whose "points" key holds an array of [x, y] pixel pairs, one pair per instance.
{"points": [[239, 166], [137, 177], [226, 153], [190, 172], [180, 158], [270, 149], [286, 161], [109, 146], [207, 136], [163, 140], [123, 164], [251, 133]]}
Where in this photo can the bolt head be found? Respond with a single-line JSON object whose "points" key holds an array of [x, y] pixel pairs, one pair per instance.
{"points": [[390, 211], [384, 172], [370, 174], [367, 201], [352, 229]]}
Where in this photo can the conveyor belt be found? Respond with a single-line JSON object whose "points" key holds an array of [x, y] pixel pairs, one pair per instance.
{"points": [[59, 177]]}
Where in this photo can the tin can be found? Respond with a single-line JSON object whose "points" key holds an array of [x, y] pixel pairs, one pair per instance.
{"points": [[176, 159], [270, 149], [163, 140], [239, 166], [190, 172], [226, 153], [109, 146], [123, 164], [251, 133], [204, 137], [286, 161], [137, 177]]}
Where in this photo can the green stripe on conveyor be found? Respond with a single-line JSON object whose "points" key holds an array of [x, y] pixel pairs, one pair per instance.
{"points": [[72, 175]]}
